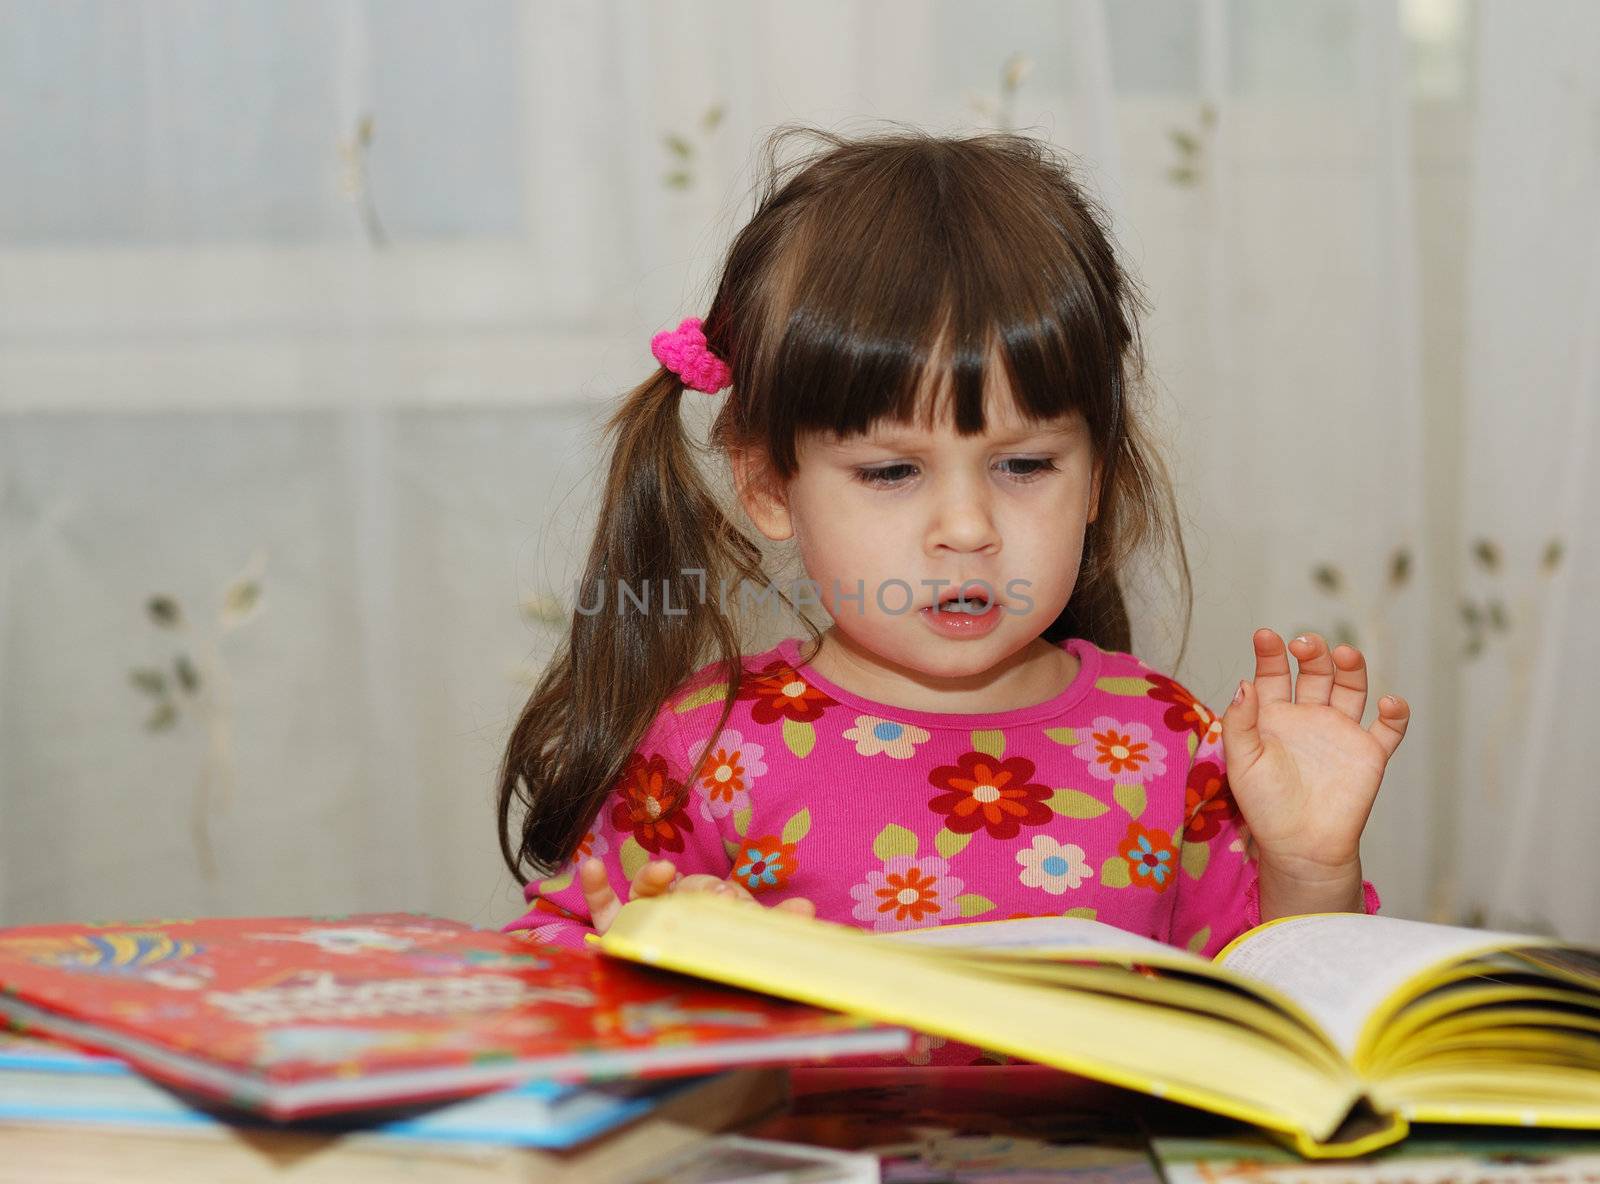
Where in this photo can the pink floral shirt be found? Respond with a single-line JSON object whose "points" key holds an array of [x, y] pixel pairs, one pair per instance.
{"points": [[1108, 801]]}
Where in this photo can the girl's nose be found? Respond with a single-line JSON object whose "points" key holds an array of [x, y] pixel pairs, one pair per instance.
{"points": [[963, 521]]}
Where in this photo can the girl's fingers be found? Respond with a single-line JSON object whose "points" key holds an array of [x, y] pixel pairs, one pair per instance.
{"points": [[700, 882], [597, 893], [1241, 738], [653, 879], [798, 904], [732, 889], [1394, 713], [1349, 681], [1314, 682], [1272, 667]]}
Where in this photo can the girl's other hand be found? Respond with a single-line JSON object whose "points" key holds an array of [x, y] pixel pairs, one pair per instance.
{"points": [[657, 878], [1303, 770], [737, 891], [653, 879]]}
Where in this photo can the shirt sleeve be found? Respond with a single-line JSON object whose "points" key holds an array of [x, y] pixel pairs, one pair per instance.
{"points": [[1219, 892], [648, 814]]}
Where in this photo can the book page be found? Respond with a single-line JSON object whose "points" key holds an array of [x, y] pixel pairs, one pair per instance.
{"points": [[1341, 966], [1041, 933]]}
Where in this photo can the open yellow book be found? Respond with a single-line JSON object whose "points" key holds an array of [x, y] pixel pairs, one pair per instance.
{"points": [[1333, 1030]]}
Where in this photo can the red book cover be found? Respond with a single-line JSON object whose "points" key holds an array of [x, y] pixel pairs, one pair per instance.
{"points": [[291, 1016]]}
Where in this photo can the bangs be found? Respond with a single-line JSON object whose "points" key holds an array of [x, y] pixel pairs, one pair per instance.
{"points": [[924, 275]]}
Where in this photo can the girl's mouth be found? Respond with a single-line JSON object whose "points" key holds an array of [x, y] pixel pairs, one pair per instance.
{"points": [[955, 616], [973, 599]]}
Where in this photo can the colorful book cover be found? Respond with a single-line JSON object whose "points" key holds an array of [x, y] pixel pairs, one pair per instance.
{"points": [[291, 1016], [43, 1083]]}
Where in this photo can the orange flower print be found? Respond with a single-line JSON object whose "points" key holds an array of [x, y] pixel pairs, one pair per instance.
{"points": [[651, 805], [1187, 714], [728, 773], [907, 891], [1122, 752], [983, 793], [1207, 802], [779, 692], [1150, 855], [593, 843]]}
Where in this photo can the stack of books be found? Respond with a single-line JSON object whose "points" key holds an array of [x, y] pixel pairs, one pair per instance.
{"points": [[359, 1047]]}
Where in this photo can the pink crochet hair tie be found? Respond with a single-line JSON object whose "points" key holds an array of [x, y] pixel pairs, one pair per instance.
{"points": [[683, 351]]}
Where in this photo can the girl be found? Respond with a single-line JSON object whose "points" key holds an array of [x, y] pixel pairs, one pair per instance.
{"points": [[932, 353]]}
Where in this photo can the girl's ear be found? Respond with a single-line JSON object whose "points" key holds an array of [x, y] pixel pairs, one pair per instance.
{"points": [[761, 493]]}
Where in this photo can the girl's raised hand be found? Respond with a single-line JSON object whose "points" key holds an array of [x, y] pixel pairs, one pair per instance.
{"points": [[1303, 770], [657, 878]]}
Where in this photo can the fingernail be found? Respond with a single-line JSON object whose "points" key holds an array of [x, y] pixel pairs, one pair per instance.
{"points": [[1304, 638], [1238, 696]]}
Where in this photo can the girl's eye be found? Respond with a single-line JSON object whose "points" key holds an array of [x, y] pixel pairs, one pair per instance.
{"points": [[887, 475], [1031, 468], [1039, 466]]}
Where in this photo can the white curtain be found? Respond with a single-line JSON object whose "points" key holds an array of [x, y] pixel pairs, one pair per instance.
{"points": [[1530, 815], [309, 313]]}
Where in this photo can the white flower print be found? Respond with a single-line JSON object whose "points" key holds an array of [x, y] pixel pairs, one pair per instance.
{"points": [[873, 736], [1053, 866]]}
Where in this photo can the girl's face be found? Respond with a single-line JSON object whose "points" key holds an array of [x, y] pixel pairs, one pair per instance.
{"points": [[905, 517]]}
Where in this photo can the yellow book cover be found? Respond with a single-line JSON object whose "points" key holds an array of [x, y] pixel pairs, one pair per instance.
{"points": [[1332, 1030]]}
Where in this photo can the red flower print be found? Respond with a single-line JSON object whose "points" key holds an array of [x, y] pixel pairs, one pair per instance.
{"points": [[983, 793], [764, 864], [780, 693], [1187, 714], [651, 805], [1150, 855], [1207, 802]]}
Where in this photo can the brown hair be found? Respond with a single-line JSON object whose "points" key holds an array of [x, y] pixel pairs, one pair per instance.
{"points": [[868, 265]]}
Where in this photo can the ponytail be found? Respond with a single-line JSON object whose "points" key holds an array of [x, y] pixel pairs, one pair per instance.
{"points": [[660, 532]]}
